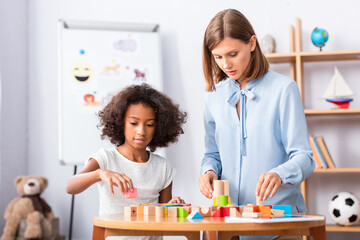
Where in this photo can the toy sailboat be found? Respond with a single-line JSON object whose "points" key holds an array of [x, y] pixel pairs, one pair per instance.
{"points": [[338, 92]]}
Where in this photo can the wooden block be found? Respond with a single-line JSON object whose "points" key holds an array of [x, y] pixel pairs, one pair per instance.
{"points": [[286, 208], [130, 211], [172, 211], [159, 212], [140, 209], [251, 214], [218, 212], [277, 212], [223, 200], [226, 187], [132, 194], [234, 212], [185, 204], [251, 209], [194, 215], [226, 211], [215, 201], [182, 213], [218, 188], [187, 208], [265, 210], [149, 210], [241, 209], [205, 211]]}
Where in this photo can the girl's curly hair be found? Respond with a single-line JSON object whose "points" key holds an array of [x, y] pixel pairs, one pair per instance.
{"points": [[169, 118]]}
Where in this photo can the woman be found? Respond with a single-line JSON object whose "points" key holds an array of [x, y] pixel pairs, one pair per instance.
{"points": [[255, 128]]}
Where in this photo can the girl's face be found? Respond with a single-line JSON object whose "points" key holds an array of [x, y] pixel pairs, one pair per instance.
{"points": [[139, 126], [233, 56]]}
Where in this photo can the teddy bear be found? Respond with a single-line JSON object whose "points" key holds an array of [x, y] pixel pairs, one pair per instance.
{"points": [[29, 206]]}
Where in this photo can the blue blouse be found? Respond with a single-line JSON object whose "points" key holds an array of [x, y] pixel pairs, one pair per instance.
{"points": [[270, 136]]}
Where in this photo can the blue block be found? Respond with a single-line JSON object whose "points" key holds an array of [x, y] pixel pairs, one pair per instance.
{"points": [[194, 215], [286, 208]]}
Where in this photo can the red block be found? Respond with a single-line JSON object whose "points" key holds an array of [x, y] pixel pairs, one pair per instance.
{"points": [[226, 211], [218, 213]]}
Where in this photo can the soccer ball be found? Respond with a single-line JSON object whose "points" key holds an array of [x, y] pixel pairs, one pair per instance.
{"points": [[344, 209]]}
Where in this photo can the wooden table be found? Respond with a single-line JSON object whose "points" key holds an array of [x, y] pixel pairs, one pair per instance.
{"points": [[118, 225]]}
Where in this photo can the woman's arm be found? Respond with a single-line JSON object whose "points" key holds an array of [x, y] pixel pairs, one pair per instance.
{"points": [[295, 139], [211, 159], [210, 165]]}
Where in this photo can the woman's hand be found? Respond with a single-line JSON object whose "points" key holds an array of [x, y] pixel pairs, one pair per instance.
{"points": [[176, 200], [119, 180], [206, 183], [268, 183]]}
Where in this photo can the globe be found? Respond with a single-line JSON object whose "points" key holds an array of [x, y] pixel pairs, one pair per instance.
{"points": [[319, 37]]}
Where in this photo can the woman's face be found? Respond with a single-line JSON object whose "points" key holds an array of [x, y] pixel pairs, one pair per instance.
{"points": [[233, 56]]}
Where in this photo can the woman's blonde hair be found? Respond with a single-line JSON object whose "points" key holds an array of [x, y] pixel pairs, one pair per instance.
{"points": [[230, 23]]}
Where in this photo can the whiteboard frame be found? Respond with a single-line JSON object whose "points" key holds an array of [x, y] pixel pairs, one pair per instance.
{"points": [[91, 25]]}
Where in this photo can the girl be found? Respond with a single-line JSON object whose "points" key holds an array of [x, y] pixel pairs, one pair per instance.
{"points": [[255, 128], [137, 118]]}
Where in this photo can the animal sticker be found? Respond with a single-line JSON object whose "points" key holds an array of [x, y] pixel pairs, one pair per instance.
{"points": [[111, 70], [90, 100], [140, 75]]}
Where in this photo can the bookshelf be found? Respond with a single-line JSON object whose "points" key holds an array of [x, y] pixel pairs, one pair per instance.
{"points": [[296, 58]]}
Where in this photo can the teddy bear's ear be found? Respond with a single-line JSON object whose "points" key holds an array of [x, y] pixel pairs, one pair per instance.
{"points": [[45, 180], [18, 179]]}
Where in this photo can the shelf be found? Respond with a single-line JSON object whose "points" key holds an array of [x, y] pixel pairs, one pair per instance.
{"points": [[280, 57], [348, 111], [330, 56], [335, 228], [314, 56], [297, 59], [337, 170]]}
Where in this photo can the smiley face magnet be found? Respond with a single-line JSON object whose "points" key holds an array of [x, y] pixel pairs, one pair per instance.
{"points": [[81, 71]]}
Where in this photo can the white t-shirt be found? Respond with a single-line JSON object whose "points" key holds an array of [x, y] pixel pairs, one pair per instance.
{"points": [[149, 178]]}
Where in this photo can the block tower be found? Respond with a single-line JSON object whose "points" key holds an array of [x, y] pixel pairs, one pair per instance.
{"points": [[221, 196]]}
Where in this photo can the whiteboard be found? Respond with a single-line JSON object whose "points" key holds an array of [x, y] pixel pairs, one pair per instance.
{"points": [[96, 61]]}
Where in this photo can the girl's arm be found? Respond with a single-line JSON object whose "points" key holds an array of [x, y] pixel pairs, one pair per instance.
{"points": [[85, 178], [92, 174], [166, 196]]}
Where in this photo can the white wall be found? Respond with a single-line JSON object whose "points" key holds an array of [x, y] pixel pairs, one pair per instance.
{"points": [[14, 89], [182, 25]]}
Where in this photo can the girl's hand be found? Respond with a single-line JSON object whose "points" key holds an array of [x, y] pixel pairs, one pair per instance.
{"points": [[119, 180], [176, 200], [206, 183], [267, 184]]}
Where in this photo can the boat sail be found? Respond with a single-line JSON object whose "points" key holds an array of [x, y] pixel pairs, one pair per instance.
{"points": [[338, 91]]}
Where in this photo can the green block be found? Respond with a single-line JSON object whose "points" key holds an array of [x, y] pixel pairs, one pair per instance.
{"points": [[223, 200], [182, 213]]}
